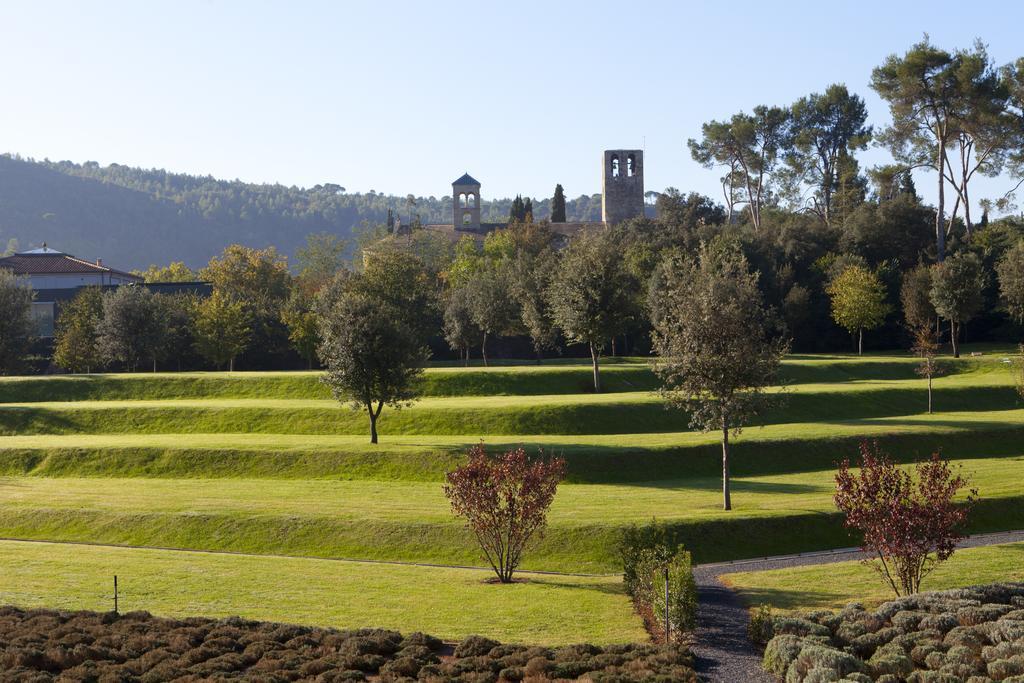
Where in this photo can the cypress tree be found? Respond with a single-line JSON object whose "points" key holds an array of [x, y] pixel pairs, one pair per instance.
{"points": [[558, 205], [527, 211]]}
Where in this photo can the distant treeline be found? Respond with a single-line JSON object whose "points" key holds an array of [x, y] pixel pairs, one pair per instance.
{"points": [[135, 217]]}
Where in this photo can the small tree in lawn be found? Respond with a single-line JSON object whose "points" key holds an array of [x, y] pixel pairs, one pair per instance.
{"points": [[492, 307], [592, 294], [909, 523], [718, 345], [222, 329], [957, 285], [505, 501], [858, 302], [926, 347], [373, 352]]}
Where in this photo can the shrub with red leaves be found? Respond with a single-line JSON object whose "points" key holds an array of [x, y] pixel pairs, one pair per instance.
{"points": [[505, 501], [909, 523]]}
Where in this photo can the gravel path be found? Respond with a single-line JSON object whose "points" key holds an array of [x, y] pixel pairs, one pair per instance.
{"points": [[723, 652]]}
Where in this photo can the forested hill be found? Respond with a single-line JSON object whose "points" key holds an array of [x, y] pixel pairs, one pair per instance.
{"points": [[134, 217]]}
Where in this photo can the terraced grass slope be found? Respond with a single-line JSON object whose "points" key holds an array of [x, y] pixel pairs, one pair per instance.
{"points": [[266, 463]]}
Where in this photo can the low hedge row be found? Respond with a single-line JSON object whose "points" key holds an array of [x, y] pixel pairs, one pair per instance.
{"points": [[47, 645], [973, 634]]}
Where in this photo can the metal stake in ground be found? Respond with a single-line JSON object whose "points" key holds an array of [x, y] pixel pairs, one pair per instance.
{"points": [[667, 623], [115, 593]]}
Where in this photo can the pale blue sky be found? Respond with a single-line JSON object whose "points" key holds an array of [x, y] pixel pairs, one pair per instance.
{"points": [[405, 96]]}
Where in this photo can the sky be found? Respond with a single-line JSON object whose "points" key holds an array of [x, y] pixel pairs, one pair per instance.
{"points": [[404, 97]]}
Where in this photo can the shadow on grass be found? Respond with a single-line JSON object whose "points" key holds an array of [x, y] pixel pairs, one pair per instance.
{"points": [[791, 598], [603, 588]]}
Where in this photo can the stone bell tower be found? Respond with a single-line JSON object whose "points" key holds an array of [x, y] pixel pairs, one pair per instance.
{"points": [[466, 203], [622, 186]]}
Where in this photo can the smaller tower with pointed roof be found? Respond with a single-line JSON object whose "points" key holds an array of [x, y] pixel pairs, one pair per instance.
{"points": [[466, 203]]}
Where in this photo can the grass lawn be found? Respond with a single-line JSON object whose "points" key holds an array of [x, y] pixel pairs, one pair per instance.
{"points": [[268, 464], [449, 603], [834, 585], [347, 518]]}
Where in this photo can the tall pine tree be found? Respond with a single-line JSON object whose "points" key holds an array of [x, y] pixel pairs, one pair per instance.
{"points": [[558, 205]]}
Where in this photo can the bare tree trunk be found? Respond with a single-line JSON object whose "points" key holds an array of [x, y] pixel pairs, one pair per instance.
{"points": [[940, 221], [483, 349], [860, 342], [597, 369], [231, 364], [929, 393], [726, 495], [374, 414], [154, 365], [953, 330]]}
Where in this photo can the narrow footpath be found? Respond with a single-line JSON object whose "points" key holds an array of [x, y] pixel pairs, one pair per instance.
{"points": [[723, 652]]}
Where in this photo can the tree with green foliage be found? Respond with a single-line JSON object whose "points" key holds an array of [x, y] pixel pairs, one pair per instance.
{"points": [[17, 325], [131, 329], [1011, 281], [402, 281], [176, 271], [749, 145], [259, 278], [827, 128], [177, 342], [517, 211], [943, 102], [916, 298], [592, 294], [491, 306], [957, 286], [858, 302], [530, 279], [321, 258], [718, 345], [302, 324], [222, 329], [374, 351], [75, 341], [558, 205], [467, 261], [460, 331]]}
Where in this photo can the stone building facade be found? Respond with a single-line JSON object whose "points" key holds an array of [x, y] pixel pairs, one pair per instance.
{"points": [[622, 185], [622, 198]]}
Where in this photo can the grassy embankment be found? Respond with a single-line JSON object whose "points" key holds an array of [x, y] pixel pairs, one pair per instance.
{"points": [[264, 463]]}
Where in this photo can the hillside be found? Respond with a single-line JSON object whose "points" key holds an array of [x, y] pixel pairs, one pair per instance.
{"points": [[134, 217]]}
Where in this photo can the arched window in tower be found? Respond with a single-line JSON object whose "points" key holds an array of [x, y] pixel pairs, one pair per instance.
{"points": [[467, 219], [630, 166], [615, 166], [471, 200], [462, 199]]}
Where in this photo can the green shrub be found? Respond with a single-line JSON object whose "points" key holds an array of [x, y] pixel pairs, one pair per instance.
{"points": [[780, 653], [636, 546], [760, 629], [682, 593], [799, 627]]}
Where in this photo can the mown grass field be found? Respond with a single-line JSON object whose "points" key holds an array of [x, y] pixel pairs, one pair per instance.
{"points": [[450, 603], [268, 464], [835, 585]]}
